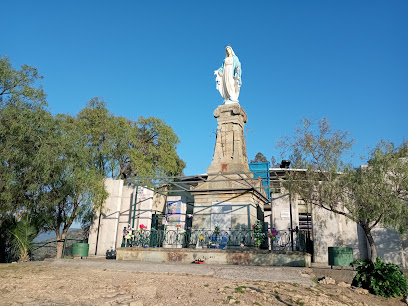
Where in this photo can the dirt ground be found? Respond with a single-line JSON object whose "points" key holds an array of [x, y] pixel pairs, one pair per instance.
{"points": [[46, 285]]}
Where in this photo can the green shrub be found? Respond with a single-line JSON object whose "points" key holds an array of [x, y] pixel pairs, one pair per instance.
{"points": [[259, 235], [384, 279]]}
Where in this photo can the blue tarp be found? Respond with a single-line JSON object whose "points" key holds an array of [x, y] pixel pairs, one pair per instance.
{"points": [[262, 170]]}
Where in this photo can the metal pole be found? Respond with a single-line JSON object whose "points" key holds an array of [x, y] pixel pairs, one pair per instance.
{"points": [[134, 207], [271, 225], [291, 220], [63, 248], [312, 232], [97, 234]]}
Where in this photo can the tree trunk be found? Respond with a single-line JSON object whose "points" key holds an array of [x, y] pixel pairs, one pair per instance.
{"points": [[24, 257], [60, 245], [370, 239]]}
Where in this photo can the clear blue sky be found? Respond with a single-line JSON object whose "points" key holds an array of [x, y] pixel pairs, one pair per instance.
{"points": [[343, 60]]}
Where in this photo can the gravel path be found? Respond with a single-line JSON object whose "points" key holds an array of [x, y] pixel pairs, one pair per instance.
{"points": [[109, 282], [250, 273]]}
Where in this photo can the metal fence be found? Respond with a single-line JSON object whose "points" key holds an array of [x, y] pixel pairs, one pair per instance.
{"points": [[284, 242], [233, 239], [48, 249]]}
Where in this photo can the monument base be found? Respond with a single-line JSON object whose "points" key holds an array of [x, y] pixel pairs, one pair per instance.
{"points": [[213, 256], [229, 202], [230, 199]]}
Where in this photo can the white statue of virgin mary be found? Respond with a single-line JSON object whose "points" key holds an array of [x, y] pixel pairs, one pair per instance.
{"points": [[228, 77]]}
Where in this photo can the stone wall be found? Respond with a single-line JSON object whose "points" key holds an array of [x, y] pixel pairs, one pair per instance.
{"points": [[211, 256]]}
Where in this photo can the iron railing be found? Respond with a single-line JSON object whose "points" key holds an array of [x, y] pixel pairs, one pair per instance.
{"points": [[232, 239]]}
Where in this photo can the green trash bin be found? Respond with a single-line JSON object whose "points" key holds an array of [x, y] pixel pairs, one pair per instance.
{"points": [[339, 256], [80, 249]]}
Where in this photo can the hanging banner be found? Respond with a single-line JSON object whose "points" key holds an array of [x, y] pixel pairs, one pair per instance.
{"points": [[174, 212]]}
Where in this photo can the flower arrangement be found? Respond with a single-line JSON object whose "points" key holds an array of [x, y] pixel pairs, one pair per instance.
{"points": [[128, 233], [142, 228], [259, 235], [273, 235]]}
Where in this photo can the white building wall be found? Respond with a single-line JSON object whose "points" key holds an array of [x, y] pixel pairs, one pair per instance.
{"points": [[126, 209], [144, 205], [334, 230], [389, 245], [108, 227], [117, 214], [280, 211]]}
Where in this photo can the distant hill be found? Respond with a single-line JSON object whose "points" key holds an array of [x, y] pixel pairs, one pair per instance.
{"points": [[46, 247], [49, 235]]}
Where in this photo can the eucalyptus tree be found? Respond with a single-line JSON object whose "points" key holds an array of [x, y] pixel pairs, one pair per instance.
{"points": [[25, 127], [377, 193], [372, 195], [75, 185], [126, 149], [20, 86], [25, 134]]}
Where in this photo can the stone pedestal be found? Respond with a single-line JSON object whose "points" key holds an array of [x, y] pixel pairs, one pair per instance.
{"points": [[230, 198], [230, 147]]}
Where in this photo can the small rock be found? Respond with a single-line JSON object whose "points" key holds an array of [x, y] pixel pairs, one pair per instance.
{"points": [[231, 301], [136, 303], [343, 284], [360, 290], [327, 281], [149, 291]]}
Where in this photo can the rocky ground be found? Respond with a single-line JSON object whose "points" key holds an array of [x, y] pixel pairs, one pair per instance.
{"points": [[47, 284]]}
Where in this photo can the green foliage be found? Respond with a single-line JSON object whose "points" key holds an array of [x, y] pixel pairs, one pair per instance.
{"points": [[378, 193], [259, 158], [384, 279], [240, 289], [17, 86], [53, 167], [258, 233], [370, 195], [300, 302], [125, 149], [320, 150], [75, 186], [23, 235], [25, 127]]}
